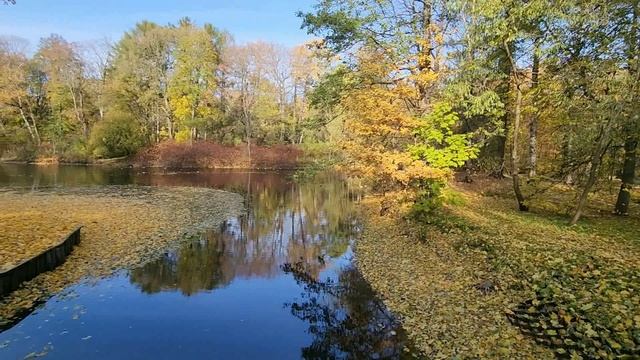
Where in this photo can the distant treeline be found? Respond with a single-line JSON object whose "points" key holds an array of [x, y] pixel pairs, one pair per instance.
{"points": [[179, 82]]}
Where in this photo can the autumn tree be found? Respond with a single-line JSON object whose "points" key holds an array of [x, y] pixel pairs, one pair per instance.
{"points": [[22, 96], [400, 132], [66, 85], [140, 77], [410, 33], [192, 85]]}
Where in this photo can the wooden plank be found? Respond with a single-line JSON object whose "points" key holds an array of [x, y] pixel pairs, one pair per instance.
{"points": [[12, 278]]}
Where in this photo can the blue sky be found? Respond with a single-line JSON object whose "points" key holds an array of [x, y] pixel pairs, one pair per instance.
{"points": [[81, 21]]}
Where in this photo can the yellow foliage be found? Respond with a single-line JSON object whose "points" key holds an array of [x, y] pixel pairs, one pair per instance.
{"points": [[183, 135], [182, 107], [426, 78], [379, 126]]}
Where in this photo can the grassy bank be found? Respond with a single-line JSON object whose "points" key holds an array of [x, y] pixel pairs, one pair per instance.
{"points": [[488, 281]]}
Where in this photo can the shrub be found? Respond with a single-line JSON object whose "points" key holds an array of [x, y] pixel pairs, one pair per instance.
{"points": [[428, 201], [18, 146], [207, 155], [76, 152], [118, 135]]}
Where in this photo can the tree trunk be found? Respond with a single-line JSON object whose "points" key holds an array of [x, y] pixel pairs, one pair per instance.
{"points": [[507, 67], [157, 121], [167, 111], [295, 112], [425, 61], [596, 160], [582, 201], [502, 149], [631, 142], [533, 120], [27, 125], [78, 109], [566, 158], [628, 175], [35, 129], [515, 169], [31, 127], [248, 133], [85, 121]]}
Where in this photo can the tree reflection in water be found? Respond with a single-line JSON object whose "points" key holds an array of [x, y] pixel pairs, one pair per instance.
{"points": [[195, 267], [308, 226], [345, 317], [285, 222]]}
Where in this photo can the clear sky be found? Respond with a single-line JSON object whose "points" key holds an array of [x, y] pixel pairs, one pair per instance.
{"points": [[86, 20]]}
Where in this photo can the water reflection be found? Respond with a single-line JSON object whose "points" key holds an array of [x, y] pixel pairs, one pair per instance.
{"points": [[310, 222], [232, 291], [345, 317], [194, 268], [34, 176]]}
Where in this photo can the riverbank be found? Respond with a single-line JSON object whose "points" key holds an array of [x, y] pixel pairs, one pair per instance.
{"points": [[197, 155], [124, 228], [207, 155], [491, 282]]}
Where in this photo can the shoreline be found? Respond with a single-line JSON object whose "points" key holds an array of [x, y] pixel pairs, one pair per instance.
{"points": [[129, 165]]}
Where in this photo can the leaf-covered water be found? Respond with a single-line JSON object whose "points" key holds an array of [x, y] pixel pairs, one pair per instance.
{"points": [[275, 283]]}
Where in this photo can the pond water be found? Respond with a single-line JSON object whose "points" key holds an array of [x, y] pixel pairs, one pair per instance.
{"points": [[276, 283]]}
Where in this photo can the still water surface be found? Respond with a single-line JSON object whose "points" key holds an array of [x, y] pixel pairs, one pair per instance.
{"points": [[276, 283]]}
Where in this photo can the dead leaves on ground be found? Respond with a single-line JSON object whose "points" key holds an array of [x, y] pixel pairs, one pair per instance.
{"points": [[575, 292], [27, 232]]}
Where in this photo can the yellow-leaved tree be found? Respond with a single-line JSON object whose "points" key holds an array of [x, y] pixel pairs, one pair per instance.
{"points": [[390, 142]]}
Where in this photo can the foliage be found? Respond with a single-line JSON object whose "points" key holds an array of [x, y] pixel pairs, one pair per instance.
{"points": [[389, 146], [180, 82], [428, 202], [438, 145], [25, 235], [116, 136]]}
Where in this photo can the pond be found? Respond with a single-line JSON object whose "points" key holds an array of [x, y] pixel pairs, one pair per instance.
{"points": [[278, 282]]}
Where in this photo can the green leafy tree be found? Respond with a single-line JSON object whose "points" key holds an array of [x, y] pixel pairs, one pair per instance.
{"points": [[192, 85], [140, 77], [437, 144]]}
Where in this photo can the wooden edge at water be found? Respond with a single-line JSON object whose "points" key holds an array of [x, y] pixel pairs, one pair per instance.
{"points": [[55, 255]]}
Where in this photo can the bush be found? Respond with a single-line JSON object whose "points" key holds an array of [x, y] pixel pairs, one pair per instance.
{"points": [[18, 146], [321, 155], [76, 152], [428, 201], [428, 210], [207, 155], [118, 135]]}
